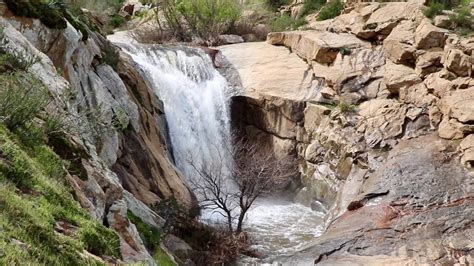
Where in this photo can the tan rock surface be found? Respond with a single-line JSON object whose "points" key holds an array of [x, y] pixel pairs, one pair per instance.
{"points": [[399, 44], [458, 62], [467, 149], [459, 104], [270, 70], [428, 36], [397, 76], [319, 46]]}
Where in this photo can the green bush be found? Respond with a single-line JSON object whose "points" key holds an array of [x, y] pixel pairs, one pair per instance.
{"points": [[150, 235], [52, 165], [10, 60], [202, 18], [332, 9], [51, 17], [100, 240], [110, 56], [116, 21], [462, 17], [311, 6], [22, 98], [55, 125], [434, 8], [285, 22], [17, 169], [275, 4], [347, 108]]}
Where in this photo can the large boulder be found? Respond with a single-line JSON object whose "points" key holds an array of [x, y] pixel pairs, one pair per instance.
{"points": [[458, 62], [261, 69], [418, 95], [416, 205], [382, 120], [230, 39], [399, 44], [131, 244], [319, 46], [397, 76], [350, 72], [428, 62], [443, 21], [429, 36], [452, 129], [388, 16], [459, 104]]}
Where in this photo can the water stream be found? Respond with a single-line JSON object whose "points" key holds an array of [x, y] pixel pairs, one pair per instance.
{"points": [[196, 102]]}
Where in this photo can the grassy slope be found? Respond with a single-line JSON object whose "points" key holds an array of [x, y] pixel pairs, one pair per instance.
{"points": [[33, 197]]}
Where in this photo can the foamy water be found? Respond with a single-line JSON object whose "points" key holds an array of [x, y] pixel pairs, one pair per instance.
{"points": [[281, 227]]}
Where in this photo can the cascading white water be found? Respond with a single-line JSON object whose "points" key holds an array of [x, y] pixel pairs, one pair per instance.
{"points": [[196, 101], [195, 98]]}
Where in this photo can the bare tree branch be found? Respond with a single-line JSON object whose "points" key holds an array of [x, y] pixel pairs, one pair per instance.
{"points": [[230, 186]]}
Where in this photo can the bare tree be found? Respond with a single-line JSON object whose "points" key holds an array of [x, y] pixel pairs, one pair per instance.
{"points": [[230, 186]]}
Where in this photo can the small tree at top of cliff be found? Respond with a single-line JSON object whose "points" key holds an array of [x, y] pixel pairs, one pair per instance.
{"points": [[206, 19], [229, 187]]}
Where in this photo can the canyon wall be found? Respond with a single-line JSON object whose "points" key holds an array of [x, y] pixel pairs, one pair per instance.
{"points": [[378, 111], [126, 167]]}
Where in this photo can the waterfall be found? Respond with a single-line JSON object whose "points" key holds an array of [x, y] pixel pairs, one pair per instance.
{"points": [[196, 102]]}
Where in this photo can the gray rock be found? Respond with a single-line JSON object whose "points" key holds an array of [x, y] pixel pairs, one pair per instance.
{"points": [[230, 39]]}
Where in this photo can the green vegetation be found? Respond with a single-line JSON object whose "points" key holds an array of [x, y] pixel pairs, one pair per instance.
{"points": [[50, 16], [462, 18], [40, 222], [51, 13], [347, 108], [22, 97], [150, 235], [332, 9], [345, 50], [275, 4], [202, 18], [33, 199], [311, 6], [163, 259], [116, 21], [434, 8], [286, 22], [110, 56]]}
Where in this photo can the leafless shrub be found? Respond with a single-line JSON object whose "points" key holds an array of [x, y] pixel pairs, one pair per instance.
{"points": [[230, 186]]}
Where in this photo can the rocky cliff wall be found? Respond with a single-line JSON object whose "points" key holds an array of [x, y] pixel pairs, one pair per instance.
{"points": [[376, 133], [126, 166]]}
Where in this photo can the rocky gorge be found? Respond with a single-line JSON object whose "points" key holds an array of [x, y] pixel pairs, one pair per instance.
{"points": [[377, 115], [376, 106]]}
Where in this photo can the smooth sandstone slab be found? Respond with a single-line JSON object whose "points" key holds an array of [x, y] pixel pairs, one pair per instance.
{"points": [[319, 46], [267, 70]]}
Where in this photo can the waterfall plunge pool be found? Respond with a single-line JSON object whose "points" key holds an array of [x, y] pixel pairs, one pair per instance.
{"points": [[196, 101]]}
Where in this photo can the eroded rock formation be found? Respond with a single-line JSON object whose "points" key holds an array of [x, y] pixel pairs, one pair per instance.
{"points": [[375, 133], [125, 168]]}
